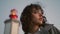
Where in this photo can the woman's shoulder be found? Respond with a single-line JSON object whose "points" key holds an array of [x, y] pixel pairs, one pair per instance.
{"points": [[52, 28], [48, 26]]}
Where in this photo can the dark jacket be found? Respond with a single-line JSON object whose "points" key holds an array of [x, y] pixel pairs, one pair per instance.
{"points": [[47, 29]]}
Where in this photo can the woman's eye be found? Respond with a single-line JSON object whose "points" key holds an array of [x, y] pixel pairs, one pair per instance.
{"points": [[35, 12]]}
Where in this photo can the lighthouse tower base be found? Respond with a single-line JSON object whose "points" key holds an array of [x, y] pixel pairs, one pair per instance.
{"points": [[11, 26]]}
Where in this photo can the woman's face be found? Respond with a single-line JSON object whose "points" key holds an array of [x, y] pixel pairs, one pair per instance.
{"points": [[37, 16]]}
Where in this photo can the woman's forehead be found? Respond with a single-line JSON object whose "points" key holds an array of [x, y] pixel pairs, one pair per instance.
{"points": [[36, 10]]}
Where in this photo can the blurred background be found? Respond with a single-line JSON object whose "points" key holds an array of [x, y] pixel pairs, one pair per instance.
{"points": [[51, 9]]}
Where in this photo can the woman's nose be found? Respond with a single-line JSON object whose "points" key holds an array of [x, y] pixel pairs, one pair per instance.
{"points": [[40, 14]]}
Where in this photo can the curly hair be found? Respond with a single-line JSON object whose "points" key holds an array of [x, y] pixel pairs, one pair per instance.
{"points": [[26, 15]]}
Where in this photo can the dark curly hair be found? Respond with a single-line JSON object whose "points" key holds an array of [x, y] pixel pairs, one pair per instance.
{"points": [[26, 15]]}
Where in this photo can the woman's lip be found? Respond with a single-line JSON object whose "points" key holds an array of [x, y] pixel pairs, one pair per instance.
{"points": [[40, 19]]}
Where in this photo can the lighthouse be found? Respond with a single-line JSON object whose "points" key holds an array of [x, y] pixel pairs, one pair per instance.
{"points": [[12, 24]]}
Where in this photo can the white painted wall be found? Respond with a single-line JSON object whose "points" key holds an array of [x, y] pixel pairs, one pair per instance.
{"points": [[7, 28]]}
